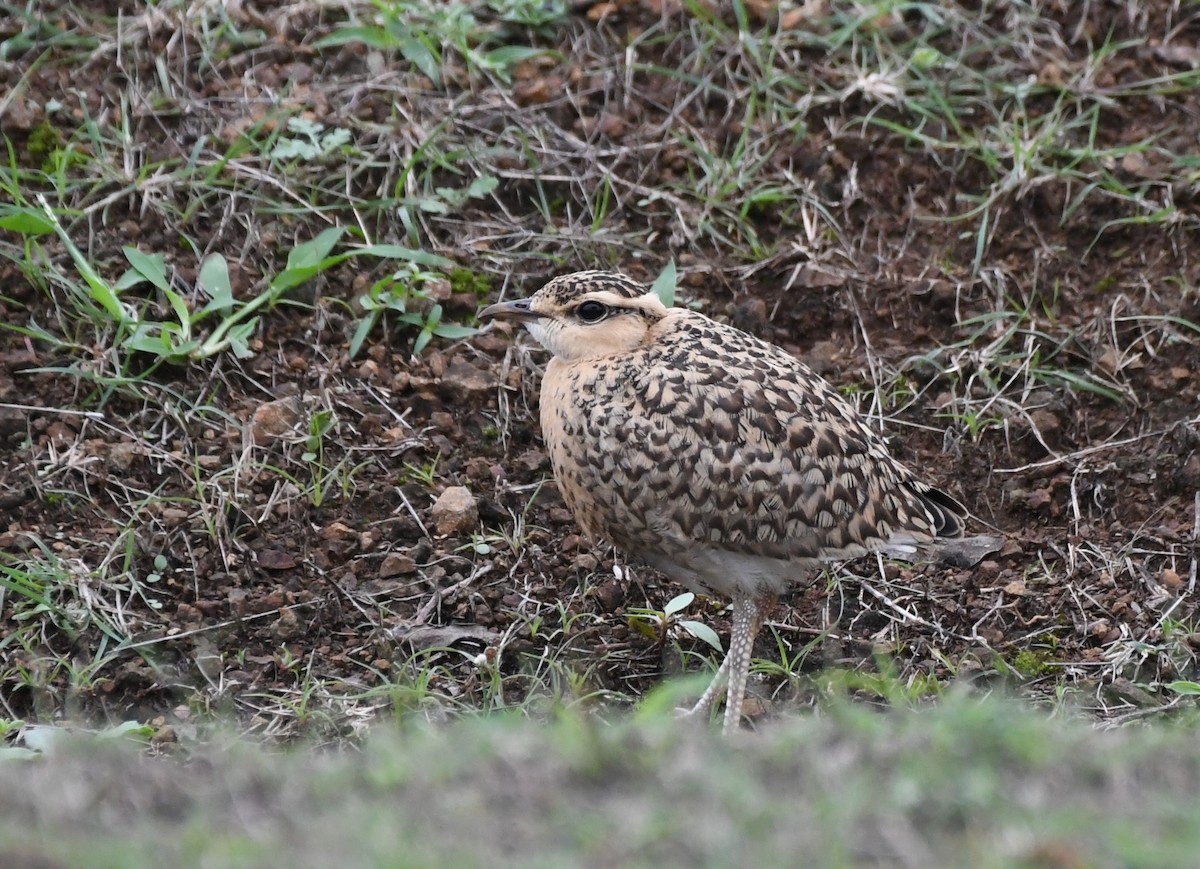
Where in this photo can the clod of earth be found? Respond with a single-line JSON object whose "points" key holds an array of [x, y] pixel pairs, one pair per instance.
{"points": [[456, 511]]}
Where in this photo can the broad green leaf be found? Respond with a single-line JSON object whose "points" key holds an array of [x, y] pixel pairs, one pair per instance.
{"points": [[643, 627], [482, 186], [434, 317], [434, 205], [214, 282], [1184, 687], [313, 252], [239, 338], [26, 221], [702, 632], [289, 278], [307, 260], [374, 37], [150, 266], [128, 729], [453, 333], [510, 55], [422, 57], [153, 341], [131, 278], [179, 306], [664, 285], [679, 603]]}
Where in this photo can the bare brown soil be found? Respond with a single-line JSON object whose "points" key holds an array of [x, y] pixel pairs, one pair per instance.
{"points": [[281, 609]]}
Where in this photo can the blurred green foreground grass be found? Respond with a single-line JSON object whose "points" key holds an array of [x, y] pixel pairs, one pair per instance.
{"points": [[968, 782]]}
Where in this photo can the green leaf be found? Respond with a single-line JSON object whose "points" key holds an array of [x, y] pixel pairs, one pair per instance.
{"points": [[231, 334], [131, 278], [422, 57], [214, 282], [150, 266], [314, 251], [182, 314], [361, 331], [98, 288], [1183, 687], [26, 221], [294, 149], [926, 57], [127, 730], [434, 205], [452, 332], [151, 338], [510, 55], [334, 139], [434, 318], [679, 603], [644, 627], [321, 422], [1070, 378], [153, 268], [239, 338], [23, 584], [482, 186], [702, 632], [306, 260], [305, 127], [396, 251], [664, 284], [374, 37]]}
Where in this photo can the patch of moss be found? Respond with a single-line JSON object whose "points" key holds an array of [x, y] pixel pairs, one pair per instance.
{"points": [[1031, 664], [43, 141], [466, 281]]}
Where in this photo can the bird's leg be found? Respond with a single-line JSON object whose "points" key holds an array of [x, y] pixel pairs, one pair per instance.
{"points": [[705, 704], [746, 623]]}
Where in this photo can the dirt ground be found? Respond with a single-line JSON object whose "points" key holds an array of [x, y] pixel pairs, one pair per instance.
{"points": [[203, 554]]}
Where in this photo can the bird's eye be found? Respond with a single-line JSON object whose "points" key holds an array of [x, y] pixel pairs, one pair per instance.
{"points": [[591, 312]]}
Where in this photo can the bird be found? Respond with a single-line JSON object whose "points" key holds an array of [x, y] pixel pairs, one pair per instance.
{"points": [[713, 456]]}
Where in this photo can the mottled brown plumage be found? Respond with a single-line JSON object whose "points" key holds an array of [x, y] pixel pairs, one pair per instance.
{"points": [[711, 455]]}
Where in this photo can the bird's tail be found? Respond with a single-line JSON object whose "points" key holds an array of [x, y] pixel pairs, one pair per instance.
{"points": [[949, 516]]}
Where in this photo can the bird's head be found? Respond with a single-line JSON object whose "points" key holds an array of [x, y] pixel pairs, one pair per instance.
{"points": [[585, 315]]}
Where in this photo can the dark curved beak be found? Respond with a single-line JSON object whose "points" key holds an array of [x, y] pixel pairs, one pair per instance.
{"points": [[518, 309]]}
